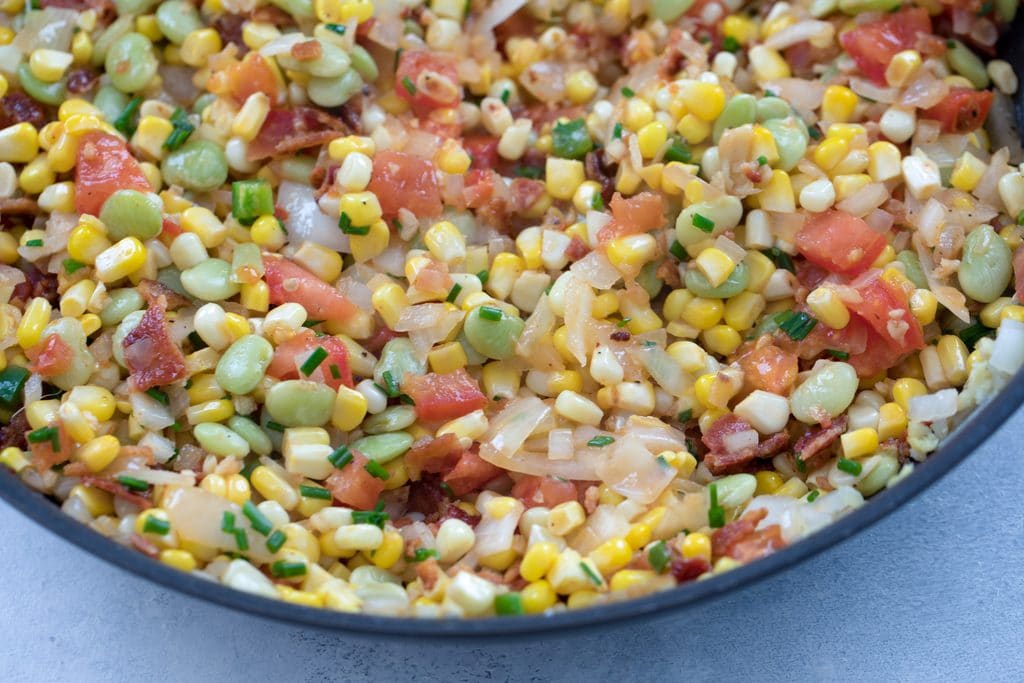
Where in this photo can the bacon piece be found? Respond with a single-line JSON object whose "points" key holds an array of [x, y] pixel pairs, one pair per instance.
{"points": [[599, 170], [577, 249], [190, 457], [288, 130], [118, 489], [816, 441], [13, 433], [18, 205], [742, 540], [428, 572], [82, 80], [720, 460], [470, 473], [17, 107], [37, 283], [428, 498], [152, 290], [229, 27], [432, 455], [683, 569], [144, 545], [50, 357], [151, 355], [307, 50], [1018, 272], [46, 454]]}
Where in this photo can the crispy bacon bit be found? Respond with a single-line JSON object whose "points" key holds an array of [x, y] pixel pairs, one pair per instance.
{"points": [[471, 473], [82, 80], [428, 498], [1018, 272], [118, 489], [816, 441], [144, 545], [576, 249], [720, 460], [620, 336], [684, 570], [668, 273], [742, 540], [18, 205], [229, 27], [46, 454], [153, 290], [307, 50], [13, 433], [285, 131], [898, 447], [599, 170], [428, 572], [432, 455], [37, 283], [17, 107], [190, 457], [151, 355]]}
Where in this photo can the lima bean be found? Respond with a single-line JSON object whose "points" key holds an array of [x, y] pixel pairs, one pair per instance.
{"points": [[130, 213], [219, 440], [725, 212], [828, 390], [1006, 10], [130, 62], [198, 165], [986, 265], [912, 268], [883, 467], [177, 19], [649, 280], [393, 419], [493, 338], [121, 27], [82, 363], [121, 303], [737, 281], [398, 357], [740, 110], [331, 63], [241, 368], [735, 489], [855, 7], [669, 10], [364, 64], [334, 91], [383, 448], [210, 280], [258, 441], [41, 91], [300, 403], [296, 8], [130, 322], [171, 277], [110, 101], [772, 107], [963, 61], [791, 139]]}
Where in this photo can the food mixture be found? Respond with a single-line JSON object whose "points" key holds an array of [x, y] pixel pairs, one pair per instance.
{"points": [[469, 308]]}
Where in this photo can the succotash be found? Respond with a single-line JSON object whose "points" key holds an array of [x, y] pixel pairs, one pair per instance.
{"points": [[472, 308]]}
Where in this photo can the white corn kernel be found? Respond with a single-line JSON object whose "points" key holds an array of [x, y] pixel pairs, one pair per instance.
{"points": [[455, 538], [766, 412], [921, 176]]}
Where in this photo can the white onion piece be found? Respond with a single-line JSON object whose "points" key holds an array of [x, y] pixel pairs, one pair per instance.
{"points": [[735, 252], [595, 221], [305, 219], [930, 220], [427, 324], [356, 292], [579, 305], [560, 446], [604, 523], [880, 221], [664, 369], [739, 441], [161, 477], [1008, 350], [800, 32], [596, 270], [804, 95], [34, 390], [933, 407], [865, 200], [498, 12], [495, 534], [196, 516], [58, 229], [866, 88], [9, 279], [633, 471], [50, 28], [950, 297], [150, 413], [925, 91], [509, 429], [161, 447], [540, 323]]}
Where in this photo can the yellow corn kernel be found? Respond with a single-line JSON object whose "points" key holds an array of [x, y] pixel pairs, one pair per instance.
{"points": [[90, 323], [698, 544], [389, 551], [743, 310], [147, 26], [703, 313], [793, 488], [120, 260], [582, 599], [651, 138], [538, 559], [19, 143], [967, 171], [349, 409], [883, 164], [33, 322], [611, 556], [580, 86], [830, 152], [739, 28], [693, 129], [452, 158], [905, 389], [768, 64], [445, 242], [323, 262], [902, 67], [36, 176], [563, 176], [838, 104], [339, 148], [625, 579], [859, 442], [255, 296], [41, 413], [638, 114], [97, 502], [777, 194], [721, 339], [211, 411], [81, 47], [267, 232], [447, 358], [605, 304], [953, 357], [892, 421], [49, 65], [500, 379], [76, 424], [991, 314], [362, 208], [537, 597], [199, 46], [250, 117], [272, 486], [704, 100], [689, 355], [372, 244], [505, 270], [1012, 313], [630, 252], [181, 560], [827, 307], [389, 301], [150, 136], [768, 482], [6, 33], [760, 268], [204, 388], [923, 305], [99, 452], [565, 517], [8, 249], [715, 264], [638, 535], [93, 399]]}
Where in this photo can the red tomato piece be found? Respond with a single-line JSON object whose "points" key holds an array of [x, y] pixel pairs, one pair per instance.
{"points": [[289, 357], [839, 242], [444, 397], [427, 80], [104, 165], [873, 44], [886, 309], [961, 111], [50, 357], [46, 454], [878, 355], [640, 213], [291, 283], [769, 368], [470, 474], [546, 492], [482, 150], [352, 485], [249, 76], [402, 181]]}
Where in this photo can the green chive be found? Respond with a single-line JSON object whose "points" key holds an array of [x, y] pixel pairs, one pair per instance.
{"points": [[390, 384], [227, 522], [158, 395], [314, 492], [628, 92], [408, 84], [591, 574], [276, 540], [376, 470], [972, 333], [241, 539], [376, 516], [658, 556], [283, 569], [275, 426], [703, 224], [528, 172], [849, 466], [43, 434], [335, 371], [780, 258], [813, 496], [505, 94], [453, 293], [685, 416], [762, 160], [796, 324], [623, 322], [601, 441], [340, 457], [596, 202], [490, 313], [133, 483], [730, 44], [482, 276], [71, 265], [310, 365], [422, 555], [336, 28], [678, 250], [157, 526], [34, 243], [837, 354], [183, 128], [678, 151], [617, 131], [508, 604], [125, 121], [716, 513], [257, 519]]}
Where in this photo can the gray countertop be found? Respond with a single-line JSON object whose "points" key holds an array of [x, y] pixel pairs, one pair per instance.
{"points": [[932, 592]]}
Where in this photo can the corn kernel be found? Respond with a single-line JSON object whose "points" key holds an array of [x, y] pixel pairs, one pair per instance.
{"points": [[859, 442]]}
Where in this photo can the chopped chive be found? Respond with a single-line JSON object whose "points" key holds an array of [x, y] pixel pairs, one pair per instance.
{"points": [[241, 539], [284, 570], [801, 466], [376, 470], [309, 324], [703, 224], [453, 293], [571, 140], [125, 121], [390, 384], [591, 574], [623, 322], [310, 365], [335, 371], [275, 426], [340, 457], [133, 483], [658, 556], [795, 324], [482, 276], [157, 526], [183, 128], [973, 333], [617, 131], [158, 395], [406, 399], [678, 151], [257, 519], [34, 243], [376, 516], [528, 172], [71, 265], [780, 258], [1020, 218], [43, 434], [650, 343], [628, 92], [849, 466], [814, 132], [314, 492], [227, 522], [196, 341], [601, 441], [336, 28], [685, 416], [508, 604], [422, 555], [398, 57], [837, 354], [505, 94], [762, 160], [408, 84], [276, 540], [678, 250], [490, 313], [730, 44], [12, 381], [596, 202], [716, 513], [813, 496]]}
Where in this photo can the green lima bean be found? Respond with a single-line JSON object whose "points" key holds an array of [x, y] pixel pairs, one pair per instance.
{"points": [[300, 403], [398, 357], [258, 441], [827, 391], [383, 448], [176, 19], [210, 280], [41, 91], [220, 440], [737, 282], [131, 63], [130, 213], [739, 111], [986, 265], [493, 338], [242, 365], [198, 165], [963, 61], [120, 304], [393, 419]]}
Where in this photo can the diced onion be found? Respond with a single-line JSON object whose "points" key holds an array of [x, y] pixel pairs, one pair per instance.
{"points": [[802, 31], [498, 12], [865, 200], [633, 471], [282, 45], [596, 270], [933, 407], [150, 413], [305, 219], [739, 441], [1008, 350], [427, 324], [196, 516], [560, 446], [495, 534]]}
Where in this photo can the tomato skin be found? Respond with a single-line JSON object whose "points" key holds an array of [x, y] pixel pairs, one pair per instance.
{"points": [[291, 283], [640, 213], [873, 44], [411, 65], [769, 368], [104, 165], [283, 365], [470, 473], [403, 181], [536, 491], [879, 299], [352, 485], [50, 357], [839, 242], [482, 151], [444, 397], [961, 111]]}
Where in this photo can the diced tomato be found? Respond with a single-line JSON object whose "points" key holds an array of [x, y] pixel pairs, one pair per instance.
{"points": [[402, 181], [433, 278], [640, 213], [171, 228], [151, 355], [769, 368], [961, 111], [291, 283], [444, 397], [427, 80], [886, 309], [47, 453], [470, 473], [873, 44], [381, 336], [878, 355], [50, 357], [251, 75], [482, 151], [478, 188], [353, 486], [839, 242], [104, 165], [544, 491], [851, 340], [334, 370]]}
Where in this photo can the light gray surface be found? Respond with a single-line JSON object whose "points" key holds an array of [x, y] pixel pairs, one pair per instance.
{"points": [[932, 593]]}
